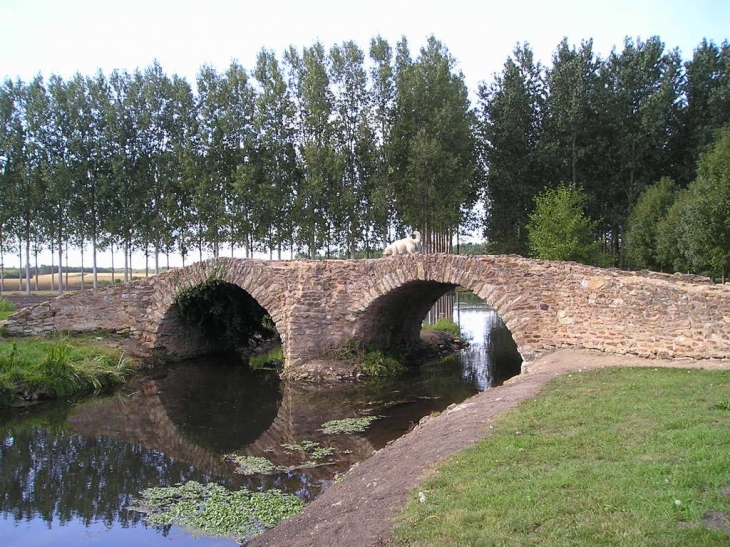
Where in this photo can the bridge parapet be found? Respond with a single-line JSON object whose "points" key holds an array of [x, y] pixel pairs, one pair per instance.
{"points": [[320, 306]]}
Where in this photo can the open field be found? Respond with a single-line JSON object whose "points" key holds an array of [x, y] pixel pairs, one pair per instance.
{"points": [[47, 282]]}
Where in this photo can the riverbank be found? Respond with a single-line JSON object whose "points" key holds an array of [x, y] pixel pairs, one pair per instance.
{"points": [[33, 370], [359, 510]]}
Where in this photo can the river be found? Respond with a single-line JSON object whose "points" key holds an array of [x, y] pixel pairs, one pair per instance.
{"points": [[69, 472]]}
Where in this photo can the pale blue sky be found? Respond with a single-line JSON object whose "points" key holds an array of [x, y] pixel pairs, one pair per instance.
{"points": [[65, 36]]}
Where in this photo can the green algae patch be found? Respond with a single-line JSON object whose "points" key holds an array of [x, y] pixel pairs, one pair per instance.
{"points": [[313, 449], [251, 465], [213, 510], [348, 425]]}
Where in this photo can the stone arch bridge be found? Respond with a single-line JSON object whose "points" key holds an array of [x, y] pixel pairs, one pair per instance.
{"points": [[321, 306]]}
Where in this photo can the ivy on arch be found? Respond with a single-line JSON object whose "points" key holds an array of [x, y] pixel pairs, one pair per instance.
{"points": [[227, 314]]}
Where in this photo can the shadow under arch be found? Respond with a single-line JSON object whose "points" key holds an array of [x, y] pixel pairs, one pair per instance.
{"points": [[393, 320], [211, 317]]}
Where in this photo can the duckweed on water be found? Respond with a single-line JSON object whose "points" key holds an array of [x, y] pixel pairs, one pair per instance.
{"points": [[213, 510], [251, 465], [313, 449], [348, 425]]}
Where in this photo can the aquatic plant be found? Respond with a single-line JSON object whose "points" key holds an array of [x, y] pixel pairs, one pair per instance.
{"points": [[251, 465], [348, 425], [216, 511], [377, 364], [313, 449]]}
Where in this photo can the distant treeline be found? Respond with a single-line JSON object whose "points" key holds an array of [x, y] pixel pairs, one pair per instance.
{"points": [[335, 152]]}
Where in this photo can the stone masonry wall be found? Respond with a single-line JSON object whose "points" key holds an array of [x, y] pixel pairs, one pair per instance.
{"points": [[320, 306]]}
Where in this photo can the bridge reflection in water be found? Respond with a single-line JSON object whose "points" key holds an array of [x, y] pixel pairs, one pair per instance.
{"points": [[68, 470]]}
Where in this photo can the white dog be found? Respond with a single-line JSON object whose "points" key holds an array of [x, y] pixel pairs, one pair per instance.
{"points": [[404, 246]]}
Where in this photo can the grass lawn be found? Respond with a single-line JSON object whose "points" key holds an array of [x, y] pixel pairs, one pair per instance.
{"points": [[614, 457], [33, 369]]}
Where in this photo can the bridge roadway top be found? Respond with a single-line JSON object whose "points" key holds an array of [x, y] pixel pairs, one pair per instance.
{"points": [[321, 306]]}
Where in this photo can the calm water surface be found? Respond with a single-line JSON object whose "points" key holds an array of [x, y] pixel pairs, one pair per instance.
{"points": [[69, 472]]}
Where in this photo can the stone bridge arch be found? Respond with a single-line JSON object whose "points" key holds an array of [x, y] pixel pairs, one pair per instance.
{"points": [[323, 305], [399, 292], [167, 334]]}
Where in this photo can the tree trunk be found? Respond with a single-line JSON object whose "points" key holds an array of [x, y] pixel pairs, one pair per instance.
{"points": [[27, 265], [82, 266], [60, 265], [35, 252], [93, 263]]}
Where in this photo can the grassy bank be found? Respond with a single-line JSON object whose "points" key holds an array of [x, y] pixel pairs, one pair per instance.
{"points": [[7, 308], [33, 369], [618, 457]]}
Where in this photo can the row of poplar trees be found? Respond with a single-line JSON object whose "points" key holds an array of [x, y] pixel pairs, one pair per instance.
{"points": [[336, 152]]}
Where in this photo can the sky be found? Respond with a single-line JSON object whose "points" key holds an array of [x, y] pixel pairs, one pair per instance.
{"points": [[67, 36]]}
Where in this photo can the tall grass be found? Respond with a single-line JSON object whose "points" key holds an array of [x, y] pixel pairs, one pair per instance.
{"points": [[35, 369], [618, 457], [7, 308]]}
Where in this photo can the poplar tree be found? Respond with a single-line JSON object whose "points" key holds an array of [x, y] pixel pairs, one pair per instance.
{"points": [[381, 214], [435, 171], [316, 146], [272, 170], [355, 147], [706, 90], [511, 117], [640, 117]]}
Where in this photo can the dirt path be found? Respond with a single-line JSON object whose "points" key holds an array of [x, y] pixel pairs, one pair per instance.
{"points": [[358, 511]]}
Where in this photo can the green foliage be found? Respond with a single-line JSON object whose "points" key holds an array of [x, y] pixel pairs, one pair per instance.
{"points": [[251, 465], [313, 449], [272, 359], [707, 216], [228, 315], [376, 364], [214, 510], [642, 247], [7, 308], [559, 229], [324, 157], [618, 456], [348, 425], [34, 369], [445, 325], [671, 236], [432, 146], [512, 126]]}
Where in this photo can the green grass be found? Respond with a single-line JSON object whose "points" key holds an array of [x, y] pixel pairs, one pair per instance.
{"points": [[445, 325], [615, 457], [7, 308], [33, 369]]}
